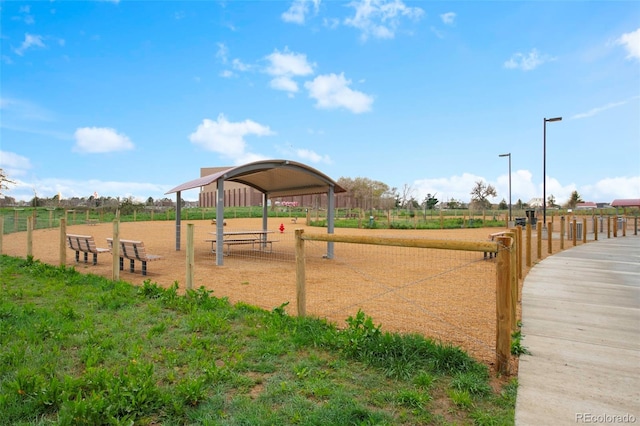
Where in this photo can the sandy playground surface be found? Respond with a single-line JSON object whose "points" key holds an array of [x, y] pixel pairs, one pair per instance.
{"points": [[390, 286]]}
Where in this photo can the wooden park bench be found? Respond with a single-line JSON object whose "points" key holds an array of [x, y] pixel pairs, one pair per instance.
{"points": [[85, 244], [133, 250]]}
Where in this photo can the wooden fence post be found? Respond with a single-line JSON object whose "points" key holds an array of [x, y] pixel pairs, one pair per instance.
{"points": [[608, 226], [595, 228], [190, 257], [562, 231], [29, 236], [528, 250], [503, 302], [615, 227], [519, 245], [584, 230], [115, 250], [63, 238], [1, 231], [550, 237], [513, 271], [574, 227], [301, 292]]}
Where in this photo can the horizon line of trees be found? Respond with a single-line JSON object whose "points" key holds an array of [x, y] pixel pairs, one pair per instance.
{"points": [[366, 194]]}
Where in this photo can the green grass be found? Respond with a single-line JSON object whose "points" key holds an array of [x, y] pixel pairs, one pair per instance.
{"points": [[83, 350]]}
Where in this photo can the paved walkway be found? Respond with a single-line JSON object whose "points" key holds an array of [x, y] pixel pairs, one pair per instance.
{"points": [[581, 323]]}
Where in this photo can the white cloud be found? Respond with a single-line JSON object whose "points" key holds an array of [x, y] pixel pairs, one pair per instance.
{"points": [[228, 138], [298, 11], [23, 110], [14, 164], [445, 189], [30, 41], [618, 187], [26, 16], [69, 188], [631, 42], [222, 53], [284, 83], [332, 91], [100, 139], [380, 18], [448, 18], [313, 157], [239, 65], [598, 110], [527, 62], [286, 65]]}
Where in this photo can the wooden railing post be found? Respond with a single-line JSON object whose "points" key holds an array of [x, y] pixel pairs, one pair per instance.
{"points": [[513, 285], [574, 226], [115, 250], [190, 257], [63, 240], [615, 226], [503, 302], [584, 230], [519, 246], [608, 226], [595, 228], [29, 236], [562, 231], [550, 238], [528, 249], [539, 240], [301, 292]]}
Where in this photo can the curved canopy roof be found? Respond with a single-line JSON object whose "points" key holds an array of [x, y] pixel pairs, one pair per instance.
{"points": [[276, 178]]}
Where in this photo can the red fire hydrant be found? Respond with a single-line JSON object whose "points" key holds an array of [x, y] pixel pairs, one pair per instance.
{"points": [[281, 228]]}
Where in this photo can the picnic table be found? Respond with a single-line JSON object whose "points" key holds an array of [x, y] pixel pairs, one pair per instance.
{"points": [[258, 239]]}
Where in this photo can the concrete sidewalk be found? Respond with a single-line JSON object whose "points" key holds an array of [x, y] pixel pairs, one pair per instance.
{"points": [[581, 323]]}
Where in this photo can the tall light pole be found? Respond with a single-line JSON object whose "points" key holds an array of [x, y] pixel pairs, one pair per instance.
{"points": [[544, 170], [508, 155]]}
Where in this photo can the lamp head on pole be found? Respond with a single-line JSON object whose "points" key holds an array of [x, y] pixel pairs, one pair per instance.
{"points": [[504, 155], [548, 120]]}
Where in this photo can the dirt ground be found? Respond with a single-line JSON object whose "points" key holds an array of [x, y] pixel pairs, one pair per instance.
{"points": [[268, 280]]}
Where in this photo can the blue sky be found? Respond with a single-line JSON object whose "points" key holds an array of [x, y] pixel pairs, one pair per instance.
{"points": [[132, 98]]}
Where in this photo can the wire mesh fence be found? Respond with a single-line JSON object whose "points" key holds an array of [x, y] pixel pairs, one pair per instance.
{"points": [[448, 295]]}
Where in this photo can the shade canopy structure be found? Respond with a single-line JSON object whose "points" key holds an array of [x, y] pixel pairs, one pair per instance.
{"points": [[273, 178]]}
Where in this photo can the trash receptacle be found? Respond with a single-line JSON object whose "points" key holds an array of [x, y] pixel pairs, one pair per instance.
{"points": [[521, 221], [531, 216], [578, 230]]}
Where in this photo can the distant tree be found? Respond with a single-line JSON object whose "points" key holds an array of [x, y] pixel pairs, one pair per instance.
{"points": [[574, 200], [453, 204], [4, 181], [503, 205], [519, 204], [480, 194], [367, 193], [551, 201], [405, 197], [150, 201], [430, 202]]}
